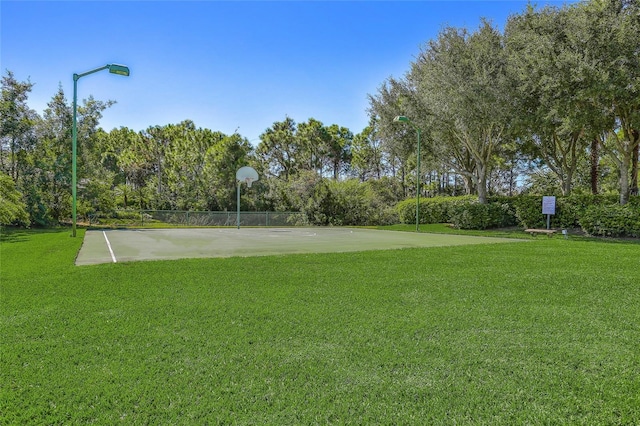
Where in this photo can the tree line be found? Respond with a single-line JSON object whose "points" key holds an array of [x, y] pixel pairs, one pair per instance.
{"points": [[557, 91], [550, 105]]}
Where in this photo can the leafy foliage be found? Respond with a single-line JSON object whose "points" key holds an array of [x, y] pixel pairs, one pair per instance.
{"points": [[483, 216], [461, 79], [330, 202], [597, 215], [569, 210], [611, 221], [550, 105], [12, 208], [433, 210]]}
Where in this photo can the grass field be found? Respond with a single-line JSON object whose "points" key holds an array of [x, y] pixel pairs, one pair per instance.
{"points": [[543, 332]]}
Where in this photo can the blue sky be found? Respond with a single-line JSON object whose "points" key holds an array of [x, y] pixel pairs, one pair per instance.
{"points": [[227, 65]]}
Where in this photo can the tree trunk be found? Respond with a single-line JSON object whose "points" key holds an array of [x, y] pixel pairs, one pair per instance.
{"points": [[566, 188], [624, 181], [635, 136], [512, 181], [468, 184], [12, 160], [482, 184], [595, 165]]}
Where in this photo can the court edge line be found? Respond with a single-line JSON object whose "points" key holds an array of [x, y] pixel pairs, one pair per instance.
{"points": [[113, 256]]}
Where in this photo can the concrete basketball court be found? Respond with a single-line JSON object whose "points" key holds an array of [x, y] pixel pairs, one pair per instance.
{"points": [[111, 246]]}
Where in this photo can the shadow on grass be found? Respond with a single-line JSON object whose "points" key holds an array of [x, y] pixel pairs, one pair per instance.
{"points": [[20, 235], [513, 232]]}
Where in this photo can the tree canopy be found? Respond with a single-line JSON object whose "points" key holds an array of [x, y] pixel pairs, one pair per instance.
{"points": [[549, 105]]}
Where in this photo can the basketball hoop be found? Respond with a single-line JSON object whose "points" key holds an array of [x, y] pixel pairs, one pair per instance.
{"points": [[247, 175]]}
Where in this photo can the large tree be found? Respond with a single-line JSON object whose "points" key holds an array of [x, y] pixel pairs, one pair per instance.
{"points": [[279, 149], [367, 160], [47, 187], [395, 97], [314, 141], [338, 156], [461, 80], [222, 160], [129, 156], [52, 160], [547, 60], [612, 31], [17, 136]]}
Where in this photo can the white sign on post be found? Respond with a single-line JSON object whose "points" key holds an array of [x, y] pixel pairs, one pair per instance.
{"points": [[548, 208], [549, 205]]}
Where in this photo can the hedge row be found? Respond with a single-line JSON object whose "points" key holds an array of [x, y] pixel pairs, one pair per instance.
{"points": [[612, 221], [433, 210], [595, 214]]}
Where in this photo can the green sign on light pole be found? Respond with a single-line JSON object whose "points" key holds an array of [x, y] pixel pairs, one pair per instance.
{"points": [[404, 119], [113, 69]]}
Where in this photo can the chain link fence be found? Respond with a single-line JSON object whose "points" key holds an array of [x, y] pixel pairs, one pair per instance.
{"points": [[152, 218]]}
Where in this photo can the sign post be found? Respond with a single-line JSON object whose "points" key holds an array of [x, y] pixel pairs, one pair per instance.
{"points": [[548, 208]]}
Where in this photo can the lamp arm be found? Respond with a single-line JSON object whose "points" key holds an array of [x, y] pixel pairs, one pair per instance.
{"points": [[77, 76]]}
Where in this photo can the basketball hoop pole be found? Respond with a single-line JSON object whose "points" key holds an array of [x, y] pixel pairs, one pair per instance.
{"points": [[248, 175], [238, 204]]}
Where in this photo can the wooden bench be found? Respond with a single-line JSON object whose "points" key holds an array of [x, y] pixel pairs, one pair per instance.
{"points": [[549, 232]]}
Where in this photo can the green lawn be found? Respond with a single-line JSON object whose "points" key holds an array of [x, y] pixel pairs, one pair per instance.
{"points": [[542, 332]]}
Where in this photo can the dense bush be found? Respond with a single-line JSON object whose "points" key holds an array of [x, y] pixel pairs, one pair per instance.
{"points": [[612, 220], [432, 210], [350, 202], [463, 212], [483, 216], [329, 202], [596, 214], [634, 201], [118, 214], [528, 210], [12, 208]]}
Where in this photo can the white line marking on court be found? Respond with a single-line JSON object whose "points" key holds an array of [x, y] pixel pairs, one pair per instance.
{"points": [[113, 256]]}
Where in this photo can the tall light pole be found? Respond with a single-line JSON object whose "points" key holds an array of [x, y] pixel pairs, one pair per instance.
{"points": [[404, 119], [113, 69]]}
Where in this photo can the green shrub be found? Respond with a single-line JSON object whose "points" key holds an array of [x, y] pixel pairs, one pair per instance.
{"points": [[340, 203], [463, 212], [432, 210], [569, 210], [117, 214], [612, 220], [406, 210], [126, 214], [483, 216], [347, 203], [471, 216], [528, 211], [596, 214], [567, 213]]}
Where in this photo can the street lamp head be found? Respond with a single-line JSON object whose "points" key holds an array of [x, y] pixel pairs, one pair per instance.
{"points": [[402, 118], [119, 69]]}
